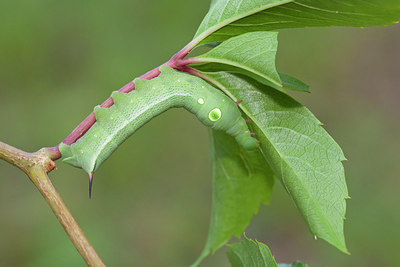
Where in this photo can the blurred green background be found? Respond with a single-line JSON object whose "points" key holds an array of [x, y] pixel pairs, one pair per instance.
{"points": [[151, 199]]}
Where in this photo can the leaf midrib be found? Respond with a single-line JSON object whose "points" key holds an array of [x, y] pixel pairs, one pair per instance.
{"points": [[237, 65]]}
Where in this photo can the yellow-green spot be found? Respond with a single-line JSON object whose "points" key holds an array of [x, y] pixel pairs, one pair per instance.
{"points": [[214, 114], [200, 101]]}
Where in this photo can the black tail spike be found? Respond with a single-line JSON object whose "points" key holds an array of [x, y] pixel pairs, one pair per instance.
{"points": [[90, 184]]}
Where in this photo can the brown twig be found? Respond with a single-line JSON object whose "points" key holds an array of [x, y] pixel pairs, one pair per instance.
{"points": [[36, 166]]}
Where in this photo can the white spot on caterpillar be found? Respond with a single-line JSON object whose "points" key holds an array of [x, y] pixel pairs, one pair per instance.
{"points": [[223, 100], [200, 101]]}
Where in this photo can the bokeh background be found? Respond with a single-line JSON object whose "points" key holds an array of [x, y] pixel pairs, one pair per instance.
{"points": [[151, 199]]}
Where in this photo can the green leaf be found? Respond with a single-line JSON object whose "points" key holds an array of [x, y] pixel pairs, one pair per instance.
{"points": [[288, 82], [228, 18], [249, 253], [301, 153], [253, 52], [294, 84], [224, 12], [242, 180], [215, 67], [294, 264]]}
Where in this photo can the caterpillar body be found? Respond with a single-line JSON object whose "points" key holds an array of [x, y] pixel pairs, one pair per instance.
{"points": [[149, 99]]}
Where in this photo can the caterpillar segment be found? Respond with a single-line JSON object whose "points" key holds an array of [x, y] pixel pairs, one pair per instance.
{"points": [[171, 89]]}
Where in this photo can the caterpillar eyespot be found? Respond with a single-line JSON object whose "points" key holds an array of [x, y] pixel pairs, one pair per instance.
{"points": [[174, 89], [214, 114]]}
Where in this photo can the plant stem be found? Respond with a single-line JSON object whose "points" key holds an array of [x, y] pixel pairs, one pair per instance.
{"points": [[196, 73], [36, 166], [85, 125]]}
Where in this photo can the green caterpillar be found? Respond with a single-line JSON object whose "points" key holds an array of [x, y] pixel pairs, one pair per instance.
{"points": [[149, 99]]}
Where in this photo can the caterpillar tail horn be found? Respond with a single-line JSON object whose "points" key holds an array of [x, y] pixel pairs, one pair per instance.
{"points": [[90, 184]]}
